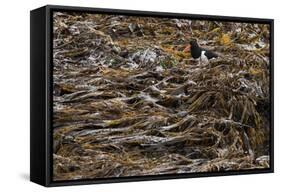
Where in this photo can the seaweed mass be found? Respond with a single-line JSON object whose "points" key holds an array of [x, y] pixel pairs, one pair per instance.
{"points": [[128, 101]]}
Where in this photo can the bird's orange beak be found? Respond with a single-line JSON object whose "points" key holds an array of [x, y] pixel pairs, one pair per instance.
{"points": [[186, 49]]}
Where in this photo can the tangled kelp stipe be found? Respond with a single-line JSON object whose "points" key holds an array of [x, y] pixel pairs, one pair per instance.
{"points": [[129, 102]]}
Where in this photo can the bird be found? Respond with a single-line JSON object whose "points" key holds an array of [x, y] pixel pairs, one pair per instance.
{"points": [[197, 52]]}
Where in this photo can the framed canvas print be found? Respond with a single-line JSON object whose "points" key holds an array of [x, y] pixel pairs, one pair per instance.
{"points": [[119, 95]]}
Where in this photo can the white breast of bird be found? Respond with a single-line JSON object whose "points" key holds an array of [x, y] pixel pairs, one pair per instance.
{"points": [[204, 58]]}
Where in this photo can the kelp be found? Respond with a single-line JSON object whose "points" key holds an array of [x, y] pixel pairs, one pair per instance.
{"points": [[127, 101]]}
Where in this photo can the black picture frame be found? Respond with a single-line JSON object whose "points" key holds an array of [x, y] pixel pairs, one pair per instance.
{"points": [[41, 94]]}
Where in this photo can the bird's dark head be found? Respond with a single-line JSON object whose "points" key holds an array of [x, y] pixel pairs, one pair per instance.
{"points": [[193, 43]]}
